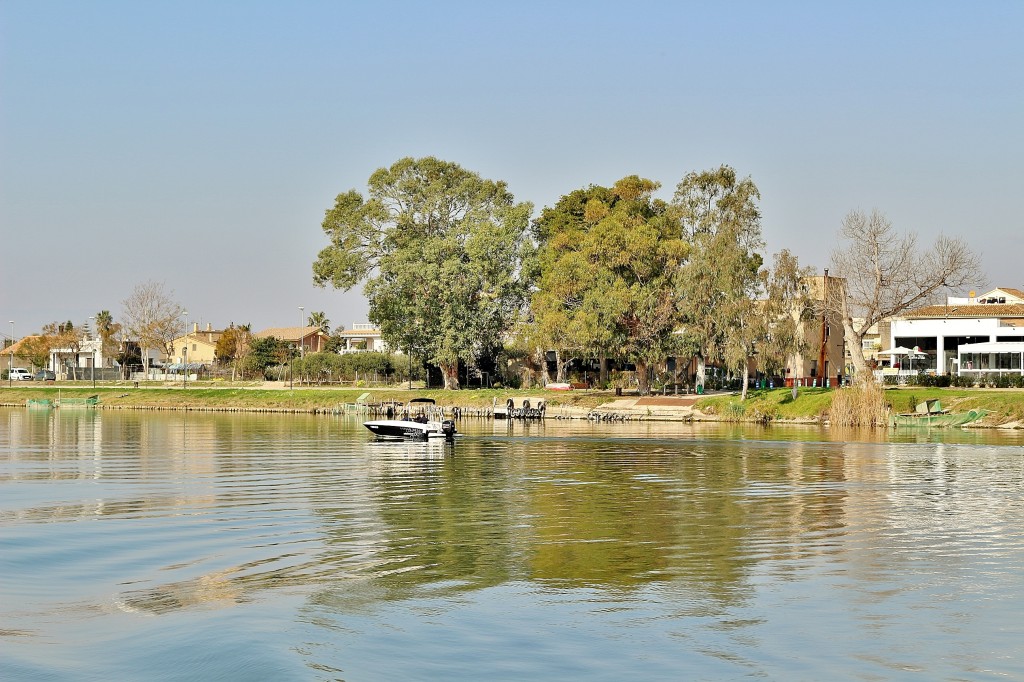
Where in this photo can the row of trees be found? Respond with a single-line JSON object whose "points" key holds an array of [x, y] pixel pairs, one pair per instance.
{"points": [[453, 269]]}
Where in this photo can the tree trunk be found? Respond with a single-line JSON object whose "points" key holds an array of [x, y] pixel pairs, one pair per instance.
{"points": [[642, 380], [560, 367], [450, 373], [541, 362], [855, 344], [603, 372], [746, 381], [702, 370]]}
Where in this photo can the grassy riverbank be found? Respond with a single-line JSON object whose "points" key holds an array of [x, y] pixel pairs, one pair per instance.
{"points": [[1005, 406], [300, 399]]}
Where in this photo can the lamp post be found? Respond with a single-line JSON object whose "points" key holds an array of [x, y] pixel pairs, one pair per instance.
{"points": [[10, 358], [92, 362], [302, 329], [184, 355]]}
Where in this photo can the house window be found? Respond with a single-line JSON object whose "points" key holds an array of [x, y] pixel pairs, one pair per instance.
{"points": [[193, 348]]}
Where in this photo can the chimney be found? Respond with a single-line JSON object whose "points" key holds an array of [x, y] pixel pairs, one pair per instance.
{"points": [[195, 327]]}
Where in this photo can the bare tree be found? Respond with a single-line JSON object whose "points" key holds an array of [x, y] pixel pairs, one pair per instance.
{"points": [[886, 273], [151, 316]]}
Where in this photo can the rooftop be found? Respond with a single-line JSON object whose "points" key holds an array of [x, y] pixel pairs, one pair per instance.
{"points": [[288, 333], [964, 310]]}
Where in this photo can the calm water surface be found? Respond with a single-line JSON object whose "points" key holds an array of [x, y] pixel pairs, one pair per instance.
{"points": [[140, 546]]}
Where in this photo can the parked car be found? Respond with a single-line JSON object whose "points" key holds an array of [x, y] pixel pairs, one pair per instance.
{"points": [[20, 374], [44, 375]]}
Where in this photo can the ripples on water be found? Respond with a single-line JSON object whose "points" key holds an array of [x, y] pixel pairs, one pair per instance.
{"points": [[141, 546]]}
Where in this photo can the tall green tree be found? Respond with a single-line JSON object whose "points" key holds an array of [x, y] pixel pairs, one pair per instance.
{"points": [[610, 258], [719, 215], [440, 250], [765, 321], [568, 307], [787, 306]]}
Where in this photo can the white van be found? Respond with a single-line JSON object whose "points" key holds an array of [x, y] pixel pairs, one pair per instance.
{"points": [[20, 374]]}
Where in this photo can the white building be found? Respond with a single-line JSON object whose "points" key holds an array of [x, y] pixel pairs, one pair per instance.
{"points": [[939, 330], [80, 363], [361, 338]]}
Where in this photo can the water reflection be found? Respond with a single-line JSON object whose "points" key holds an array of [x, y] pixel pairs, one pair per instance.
{"points": [[630, 525]]}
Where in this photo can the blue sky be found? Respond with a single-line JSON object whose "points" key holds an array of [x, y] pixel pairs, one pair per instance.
{"points": [[199, 143]]}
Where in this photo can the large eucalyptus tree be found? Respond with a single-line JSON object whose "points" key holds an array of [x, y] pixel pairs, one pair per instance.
{"points": [[719, 216], [440, 251]]}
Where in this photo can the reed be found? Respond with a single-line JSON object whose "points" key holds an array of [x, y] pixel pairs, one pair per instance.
{"points": [[862, 404]]}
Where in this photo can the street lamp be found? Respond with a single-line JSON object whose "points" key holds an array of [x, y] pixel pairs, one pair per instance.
{"points": [[302, 329], [184, 355], [92, 363], [10, 358]]}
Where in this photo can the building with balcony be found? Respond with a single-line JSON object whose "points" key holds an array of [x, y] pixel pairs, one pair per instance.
{"points": [[361, 338]]}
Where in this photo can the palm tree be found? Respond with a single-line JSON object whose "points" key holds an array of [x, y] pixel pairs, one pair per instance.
{"points": [[107, 330], [319, 320]]}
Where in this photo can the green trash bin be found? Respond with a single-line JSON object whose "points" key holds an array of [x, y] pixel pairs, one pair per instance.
{"points": [[700, 389]]}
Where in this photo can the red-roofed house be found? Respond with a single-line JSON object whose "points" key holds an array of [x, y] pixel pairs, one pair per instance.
{"points": [[312, 339]]}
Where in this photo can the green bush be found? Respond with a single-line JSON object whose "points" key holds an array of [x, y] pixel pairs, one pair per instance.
{"points": [[735, 410]]}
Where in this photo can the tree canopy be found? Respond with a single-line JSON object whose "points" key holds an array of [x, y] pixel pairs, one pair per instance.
{"points": [[718, 213], [440, 250], [609, 260]]}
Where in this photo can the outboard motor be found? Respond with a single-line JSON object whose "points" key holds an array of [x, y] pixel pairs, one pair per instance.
{"points": [[448, 429]]}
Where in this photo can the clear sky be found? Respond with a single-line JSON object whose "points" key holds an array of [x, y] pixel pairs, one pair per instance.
{"points": [[198, 143]]}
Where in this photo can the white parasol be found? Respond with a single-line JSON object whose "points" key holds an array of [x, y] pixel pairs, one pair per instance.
{"points": [[898, 350]]}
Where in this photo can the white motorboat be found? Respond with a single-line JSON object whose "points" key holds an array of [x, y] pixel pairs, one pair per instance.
{"points": [[402, 429], [418, 427]]}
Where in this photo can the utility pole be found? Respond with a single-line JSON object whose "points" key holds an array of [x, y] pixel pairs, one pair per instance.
{"points": [[184, 355]]}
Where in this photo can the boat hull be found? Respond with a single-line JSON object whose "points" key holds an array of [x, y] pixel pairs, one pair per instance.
{"points": [[398, 429]]}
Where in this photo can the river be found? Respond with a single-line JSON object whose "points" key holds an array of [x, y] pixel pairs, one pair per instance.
{"points": [[184, 546]]}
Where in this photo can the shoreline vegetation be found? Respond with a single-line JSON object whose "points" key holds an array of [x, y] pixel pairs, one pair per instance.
{"points": [[1004, 407]]}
